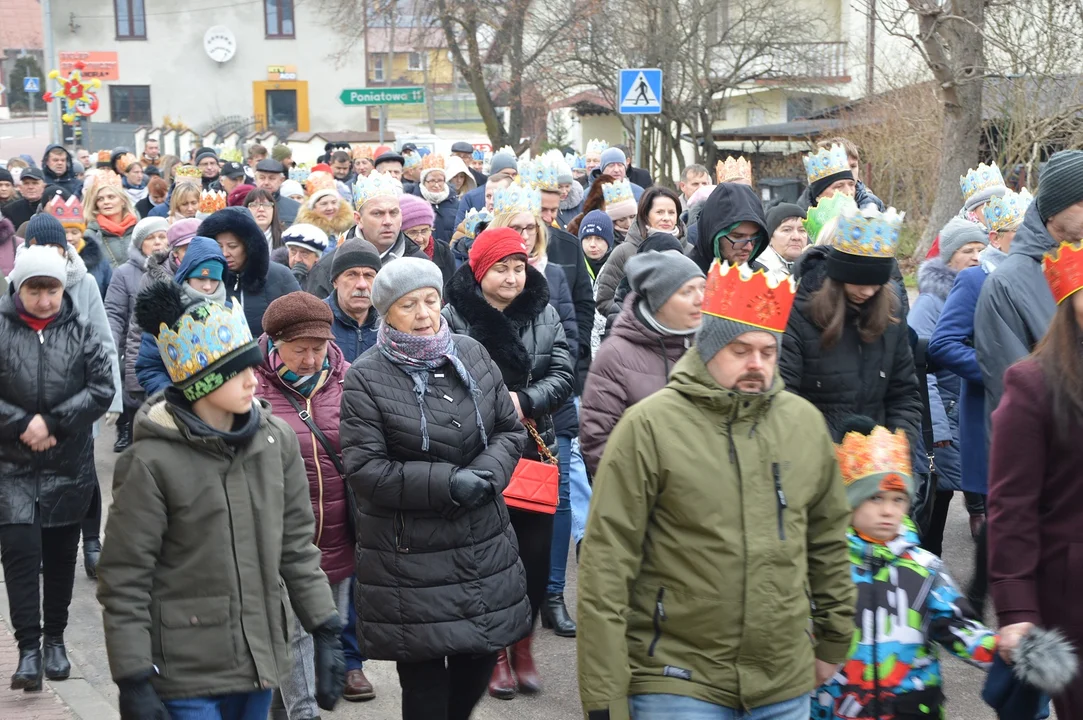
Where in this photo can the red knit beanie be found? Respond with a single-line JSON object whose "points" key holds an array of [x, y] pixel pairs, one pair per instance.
{"points": [[492, 246]]}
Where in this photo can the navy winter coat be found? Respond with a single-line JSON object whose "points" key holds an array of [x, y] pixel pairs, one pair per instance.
{"points": [[352, 339], [444, 225], [473, 199]]}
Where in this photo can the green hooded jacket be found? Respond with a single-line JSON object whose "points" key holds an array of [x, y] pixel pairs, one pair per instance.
{"points": [[716, 530]]}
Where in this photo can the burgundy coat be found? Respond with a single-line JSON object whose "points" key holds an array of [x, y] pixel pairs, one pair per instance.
{"points": [[326, 486], [633, 362], [1035, 513]]}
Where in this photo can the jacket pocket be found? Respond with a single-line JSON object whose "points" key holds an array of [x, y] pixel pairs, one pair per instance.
{"points": [[402, 539], [197, 637], [659, 618], [286, 612]]}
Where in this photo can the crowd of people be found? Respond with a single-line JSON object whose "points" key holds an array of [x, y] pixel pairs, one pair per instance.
{"points": [[372, 408]]}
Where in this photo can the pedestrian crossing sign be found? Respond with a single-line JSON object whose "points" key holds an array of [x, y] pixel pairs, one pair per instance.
{"points": [[640, 91]]}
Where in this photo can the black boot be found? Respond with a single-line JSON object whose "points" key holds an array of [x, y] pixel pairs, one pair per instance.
{"points": [[92, 550], [124, 433], [28, 675], [57, 666], [554, 614]]}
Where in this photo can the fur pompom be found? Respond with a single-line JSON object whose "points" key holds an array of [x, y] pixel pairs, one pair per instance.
{"points": [[1045, 660], [161, 302]]}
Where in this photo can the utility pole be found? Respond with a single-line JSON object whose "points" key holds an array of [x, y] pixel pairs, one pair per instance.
{"points": [[870, 51], [50, 64]]}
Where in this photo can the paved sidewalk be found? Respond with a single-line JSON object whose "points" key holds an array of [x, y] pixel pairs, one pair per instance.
{"points": [[44, 705]]}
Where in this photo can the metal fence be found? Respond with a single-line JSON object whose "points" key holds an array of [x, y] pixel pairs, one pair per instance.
{"points": [[104, 136]]}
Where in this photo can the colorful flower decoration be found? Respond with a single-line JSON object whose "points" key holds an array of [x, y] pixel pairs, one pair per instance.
{"points": [[75, 92]]}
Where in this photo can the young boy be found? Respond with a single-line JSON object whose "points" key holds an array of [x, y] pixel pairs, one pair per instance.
{"points": [[907, 603], [210, 537]]}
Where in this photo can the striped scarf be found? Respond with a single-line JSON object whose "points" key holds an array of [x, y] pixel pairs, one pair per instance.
{"points": [[305, 385]]}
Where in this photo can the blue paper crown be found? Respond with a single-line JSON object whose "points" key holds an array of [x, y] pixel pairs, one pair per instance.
{"points": [[980, 178], [868, 232], [540, 174], [478, 155], [411, 160], [517, 198], [299, 174], [376, 184], [595, 147], [1006, 212], [826, 162], [203, 336], [617, 192], [475, 217]]}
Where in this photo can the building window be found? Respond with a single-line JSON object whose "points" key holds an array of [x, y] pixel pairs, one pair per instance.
{"points": [[279, 17], [378, 68], [414, 60], [131, 19], [130, 104], [798, 107]]}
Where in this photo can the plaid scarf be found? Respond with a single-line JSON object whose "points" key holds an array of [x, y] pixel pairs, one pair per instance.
{"points": [[305, 385]]}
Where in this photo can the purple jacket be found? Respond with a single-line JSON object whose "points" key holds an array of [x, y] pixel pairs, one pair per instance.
{"points": [[334, 537]]}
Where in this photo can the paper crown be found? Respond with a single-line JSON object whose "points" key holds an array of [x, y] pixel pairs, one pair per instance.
{"points": [[411, 160], [980, 178], [124, 162], [203, 336], [231, 155], [826, 162], [433, 161], [211, 201], [824, 211], [362, 152], [105, 158], [575, 161], [868, 232], [104, 177], [1064, 270], [541, 173], [475, 217], [478, 155], [375, 184], [595, 147], [751, 298], [300, 174], [1006, 211], [188, 172], [517, 198], [617, 192], [69, 212], [879, 453], [734, 170], [319, 180]]}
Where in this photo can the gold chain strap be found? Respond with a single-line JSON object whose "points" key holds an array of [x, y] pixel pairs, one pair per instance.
{"points": [[543, 449]]}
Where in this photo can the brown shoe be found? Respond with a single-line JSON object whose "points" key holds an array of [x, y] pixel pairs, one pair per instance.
{"points": [[976, 524], [502, 685], [522, 662], [358, 688]]}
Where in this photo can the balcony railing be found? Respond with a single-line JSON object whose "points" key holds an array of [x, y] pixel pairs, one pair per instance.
{"points": [[813, 62]]}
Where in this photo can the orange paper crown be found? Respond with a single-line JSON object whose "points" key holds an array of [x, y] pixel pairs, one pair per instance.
{"points": [[104, 177], [431, 161], [1064, 270], [751, 298], [105, 157], [733, 170], [69, 212], [881, 452], [362, 152], [124, 162], [319, 180], [211, 201]]}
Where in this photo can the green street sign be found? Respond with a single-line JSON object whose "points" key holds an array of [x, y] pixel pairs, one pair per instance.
{"points": [[383, 96]]}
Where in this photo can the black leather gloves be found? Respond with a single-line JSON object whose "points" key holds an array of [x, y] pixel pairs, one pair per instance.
{"points": [[330, 663], [471, 488], [139, 701]]}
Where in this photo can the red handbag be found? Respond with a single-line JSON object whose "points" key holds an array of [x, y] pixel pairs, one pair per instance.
{"points": [[535, 486]]}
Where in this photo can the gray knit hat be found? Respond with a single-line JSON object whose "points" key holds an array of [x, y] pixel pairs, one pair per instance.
{"points": [[1060, 184], [38, 261], [503, 161], [655, 276], [716, 333], [403, 276], [355, 252], [145, 228], [959, 232]]}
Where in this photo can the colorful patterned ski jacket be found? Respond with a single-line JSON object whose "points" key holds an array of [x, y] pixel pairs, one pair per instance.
{"points": [[906, 605]]}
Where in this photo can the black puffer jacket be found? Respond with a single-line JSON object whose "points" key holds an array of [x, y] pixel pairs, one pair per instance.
{"points": [[64, 375], [852, 377], [526, 342], [432, 579]]}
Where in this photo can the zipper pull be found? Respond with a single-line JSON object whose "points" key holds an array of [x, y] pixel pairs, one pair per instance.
{"points": [[41, 337], [661, 610], [778, 486]]}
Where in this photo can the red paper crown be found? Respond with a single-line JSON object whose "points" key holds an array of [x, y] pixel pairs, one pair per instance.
{"points": [[1064, 270], [748, 297], [69, 213]]}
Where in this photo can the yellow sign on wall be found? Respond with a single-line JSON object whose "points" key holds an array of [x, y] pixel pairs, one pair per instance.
{"points": [[281, 72]]}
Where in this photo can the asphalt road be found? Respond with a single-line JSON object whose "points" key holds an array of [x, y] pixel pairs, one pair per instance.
{"points": [[21, 136], [556, 656]]}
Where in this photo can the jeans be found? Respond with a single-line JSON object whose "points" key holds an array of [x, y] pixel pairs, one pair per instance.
{"points": [[579, 490], [350, 646], [679, 707], [432, 690], [299, 690], [27, 551], [238, 706], [562, 522]]}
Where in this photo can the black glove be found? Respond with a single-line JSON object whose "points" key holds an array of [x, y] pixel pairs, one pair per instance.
{"points": [[139, 701], [471, 488], [330, 663]]}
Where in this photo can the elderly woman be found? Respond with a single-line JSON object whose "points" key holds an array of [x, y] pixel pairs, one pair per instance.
{"points": [[58, 381], [434, 189], [111, 218], [419, 223], [303, 370], [326, 209], [501, 301], [430, 439]]}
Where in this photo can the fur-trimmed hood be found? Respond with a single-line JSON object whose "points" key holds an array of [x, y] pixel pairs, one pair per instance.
{"points": [[340, 223], [241, 223], [575, 196], [498, 331], [160, 266], [936, 278]]}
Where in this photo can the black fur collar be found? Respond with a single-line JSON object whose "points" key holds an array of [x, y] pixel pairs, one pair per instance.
{"points": [[499, 331]]}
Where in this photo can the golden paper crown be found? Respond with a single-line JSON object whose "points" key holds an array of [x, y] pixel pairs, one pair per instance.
{"points": [[104, 177], [826, 162], [432, 161], [1005, 212], [734, 170], [319, 180], [1063, 269], [362, 152], [124, 162], [868, 232], [376, 184], [751, 298], [880, 452], [980, 178], [104, 157], [211, 201], [188, 172]]}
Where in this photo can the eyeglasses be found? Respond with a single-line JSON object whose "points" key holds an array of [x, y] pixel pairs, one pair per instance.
{"points": [[261, 206], [524, 229], [740, 240], [418, 232]]}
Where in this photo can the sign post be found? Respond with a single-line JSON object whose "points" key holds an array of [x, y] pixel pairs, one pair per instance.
{"points": [[640, 93], [382, 97], [32, 86]]}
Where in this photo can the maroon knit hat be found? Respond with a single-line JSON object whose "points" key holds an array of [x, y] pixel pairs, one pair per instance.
{"points": [[298, 315], [415, 211], [492, 246]]}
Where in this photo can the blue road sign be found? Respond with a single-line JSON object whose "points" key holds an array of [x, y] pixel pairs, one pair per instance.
{"points": [[640, 91], [31, 84]]}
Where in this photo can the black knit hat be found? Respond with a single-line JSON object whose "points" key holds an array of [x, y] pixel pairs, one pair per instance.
{"points": [[1061, 183], [355, 252], [5, 176], [817, 188], [780, 213], [858, 269]]}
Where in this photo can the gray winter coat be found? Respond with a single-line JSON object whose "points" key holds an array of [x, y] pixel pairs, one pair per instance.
{"points": [[1014, 309], [120, 306], [613, 272], [158, 267]]}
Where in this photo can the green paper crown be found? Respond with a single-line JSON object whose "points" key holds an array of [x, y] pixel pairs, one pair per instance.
{"points": [[825, 210]]}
